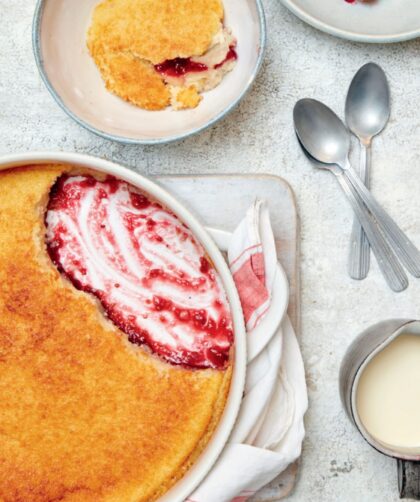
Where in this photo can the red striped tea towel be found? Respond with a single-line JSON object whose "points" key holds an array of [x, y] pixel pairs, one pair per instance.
{"points": [[252, 261], [268, 434]]}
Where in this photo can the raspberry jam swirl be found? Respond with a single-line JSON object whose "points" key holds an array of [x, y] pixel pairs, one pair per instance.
{"points": [[144, 265]]}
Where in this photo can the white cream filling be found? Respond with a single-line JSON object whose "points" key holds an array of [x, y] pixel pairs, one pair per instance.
{"points": [[108, 263]]}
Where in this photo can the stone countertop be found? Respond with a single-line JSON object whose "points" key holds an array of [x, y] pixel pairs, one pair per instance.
{"points": [[258, 138]]}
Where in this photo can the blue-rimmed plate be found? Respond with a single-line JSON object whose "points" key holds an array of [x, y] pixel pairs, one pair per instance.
{"points": [[375, 21], [59, 39]]}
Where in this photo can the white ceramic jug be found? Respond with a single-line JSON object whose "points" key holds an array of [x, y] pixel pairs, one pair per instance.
{"points": [[363, 349]]}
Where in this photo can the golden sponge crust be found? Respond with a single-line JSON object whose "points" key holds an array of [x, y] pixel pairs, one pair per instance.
{"points": [[185, 97], [133, 80], [155, 30], [84, 415]]}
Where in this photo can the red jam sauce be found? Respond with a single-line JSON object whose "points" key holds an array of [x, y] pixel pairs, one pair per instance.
{"points": [[232, 55], [144, 265], [179, 67]]}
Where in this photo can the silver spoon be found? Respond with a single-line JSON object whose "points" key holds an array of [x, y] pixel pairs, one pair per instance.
{"points": [[326, 138], [388, 263], [367, 113]]}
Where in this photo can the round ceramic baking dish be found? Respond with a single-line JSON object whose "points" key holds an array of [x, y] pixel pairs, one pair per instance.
{"points": [[205, 462], [71, 76]]}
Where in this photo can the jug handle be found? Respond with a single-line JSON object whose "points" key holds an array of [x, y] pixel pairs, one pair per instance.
{"points": [[409, 479]]}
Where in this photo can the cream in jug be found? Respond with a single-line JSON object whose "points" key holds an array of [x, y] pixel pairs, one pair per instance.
{"points": [[388, 395]]}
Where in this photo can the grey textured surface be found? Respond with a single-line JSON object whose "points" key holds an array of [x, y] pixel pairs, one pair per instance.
{"points": [[258, 137]]}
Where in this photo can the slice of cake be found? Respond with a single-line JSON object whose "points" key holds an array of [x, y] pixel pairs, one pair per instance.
{"points": [[155, 53]]}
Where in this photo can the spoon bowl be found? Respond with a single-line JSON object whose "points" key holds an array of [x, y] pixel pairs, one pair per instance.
{"points": [[321, 132], [368, 102]]}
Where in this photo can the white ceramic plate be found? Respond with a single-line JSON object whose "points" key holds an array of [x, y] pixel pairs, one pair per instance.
{"points": [[59, 40], [381, 21], [269, 325], [203, 465]]}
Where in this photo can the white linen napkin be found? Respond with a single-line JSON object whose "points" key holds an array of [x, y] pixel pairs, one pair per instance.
{"points": [[269, 431]]}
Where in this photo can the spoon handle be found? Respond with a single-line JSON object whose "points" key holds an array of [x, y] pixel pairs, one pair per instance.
{"points": [[359, 256], [401, 244], [387, 261]]}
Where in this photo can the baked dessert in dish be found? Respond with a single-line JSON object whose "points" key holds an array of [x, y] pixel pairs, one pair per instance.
{"points": [[115, 340], [155, 53]]}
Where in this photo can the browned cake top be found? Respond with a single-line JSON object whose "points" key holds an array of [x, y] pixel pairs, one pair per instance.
{"points": [[155, 30]]}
